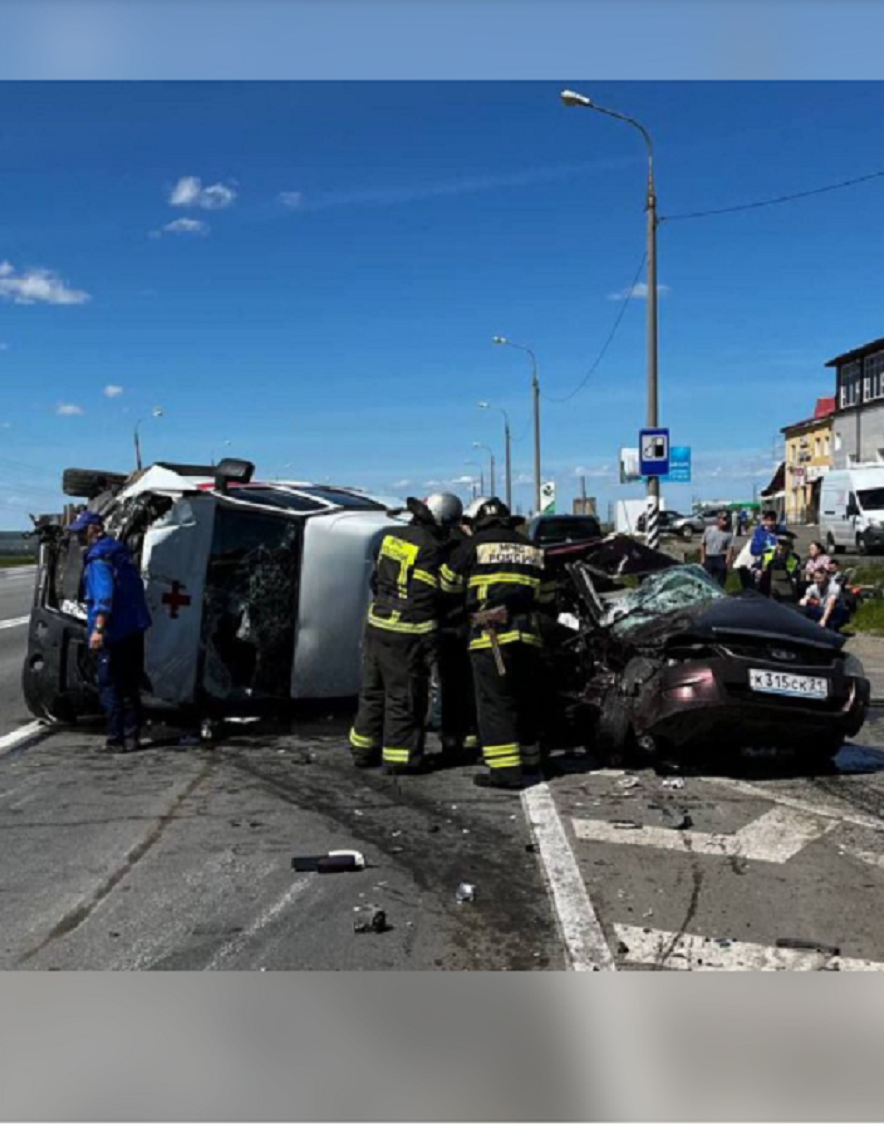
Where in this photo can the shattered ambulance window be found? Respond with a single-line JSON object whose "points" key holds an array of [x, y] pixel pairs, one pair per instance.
{"points": [[682, 587], [250, 606]]}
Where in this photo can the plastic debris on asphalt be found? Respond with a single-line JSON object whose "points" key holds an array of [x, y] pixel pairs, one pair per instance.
{"points": [[332, 863], [371, 919], [673, 782], [466, 892]]}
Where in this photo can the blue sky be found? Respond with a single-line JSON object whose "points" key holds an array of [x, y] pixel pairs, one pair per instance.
{"points": [[314, 271]]}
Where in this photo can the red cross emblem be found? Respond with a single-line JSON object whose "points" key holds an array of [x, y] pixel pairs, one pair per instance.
{"points": [[176, 600]]}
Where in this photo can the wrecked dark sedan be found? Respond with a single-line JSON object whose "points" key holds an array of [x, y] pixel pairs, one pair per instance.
{"points": [[258, 591], [654, 658]]}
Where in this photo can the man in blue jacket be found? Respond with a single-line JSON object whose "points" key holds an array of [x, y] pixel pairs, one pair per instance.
{"points": [[117, 620]]}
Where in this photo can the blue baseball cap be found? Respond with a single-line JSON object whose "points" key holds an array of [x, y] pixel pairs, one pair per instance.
{"points": [[86, 519]]}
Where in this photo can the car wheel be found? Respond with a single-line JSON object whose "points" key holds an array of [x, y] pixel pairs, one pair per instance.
{"points": [[687, 533], [613, 729], [861, 545], [831, 545], [86, 483]]}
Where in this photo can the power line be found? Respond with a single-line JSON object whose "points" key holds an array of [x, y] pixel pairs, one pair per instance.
{"points": [[617, 321], [774, 201]]}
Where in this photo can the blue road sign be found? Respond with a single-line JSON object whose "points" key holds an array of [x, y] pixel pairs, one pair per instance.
{"points": [[653, 452], [679, 464]]}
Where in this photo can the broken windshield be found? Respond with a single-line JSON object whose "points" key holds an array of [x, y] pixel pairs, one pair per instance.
{"points": [[682, 587]]}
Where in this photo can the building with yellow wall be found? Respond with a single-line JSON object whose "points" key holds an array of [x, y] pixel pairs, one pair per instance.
{"points": [[808, 459]]}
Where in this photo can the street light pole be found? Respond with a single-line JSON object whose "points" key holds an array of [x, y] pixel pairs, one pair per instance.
{"points": [[570, 98], [507, 438], [535, 387], [490, 452], [156, 412], [476, 464]]}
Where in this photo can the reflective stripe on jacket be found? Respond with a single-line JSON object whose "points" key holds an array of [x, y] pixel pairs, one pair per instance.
{"points": [[497, 567], [406, 581]]}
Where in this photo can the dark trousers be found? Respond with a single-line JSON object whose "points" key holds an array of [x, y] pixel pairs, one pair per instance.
{"points": [[120, 671], [458, 717], [837, 619], [716, 567], [507, 706], [393, 699]]}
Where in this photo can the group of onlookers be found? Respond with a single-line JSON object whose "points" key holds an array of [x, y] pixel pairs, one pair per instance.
{"points": [[769, 564]]}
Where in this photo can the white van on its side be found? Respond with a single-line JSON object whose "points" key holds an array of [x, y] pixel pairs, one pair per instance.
{"points": [[852, 509]]}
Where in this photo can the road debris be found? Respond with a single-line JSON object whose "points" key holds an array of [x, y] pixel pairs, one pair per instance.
{"points": [[673, 782], [808, 946], [371, 919], [332, 863], [466, 892], [628, 782], [626, 825]]}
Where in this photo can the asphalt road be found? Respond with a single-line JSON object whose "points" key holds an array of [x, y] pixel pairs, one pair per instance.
{"points": [[16, 589], [175, 858]]}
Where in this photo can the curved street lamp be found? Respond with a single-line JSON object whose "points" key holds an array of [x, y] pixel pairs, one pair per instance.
{"points": [[490, 452], [476, 464], [506, 445], [571, 98], [535, 386], [156, 412]]}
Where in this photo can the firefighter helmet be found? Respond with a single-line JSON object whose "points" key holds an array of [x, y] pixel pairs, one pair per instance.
{"points": [[472, 510], [446, 508]]}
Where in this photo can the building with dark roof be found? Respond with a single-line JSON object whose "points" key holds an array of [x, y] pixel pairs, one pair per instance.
{"points": [[858, 428]]}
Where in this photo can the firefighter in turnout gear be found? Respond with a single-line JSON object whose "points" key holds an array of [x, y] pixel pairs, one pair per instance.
{"points": [[457, 710], [501, 573], [399, 646]]}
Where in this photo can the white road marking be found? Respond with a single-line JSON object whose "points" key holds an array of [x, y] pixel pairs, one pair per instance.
{"points": [[826, 811], [870, 858], [688, 952], [775, 837], [14, 622], [582, 932], [232, 947], [22, 734]]}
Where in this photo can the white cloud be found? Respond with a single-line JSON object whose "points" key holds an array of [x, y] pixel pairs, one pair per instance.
{"points": [[36, 286], [292, 199], [400, 484], [599, 471], [69, 410], [182, 226], [189, 192], [5, 425], [638, 292], [112, 391]]}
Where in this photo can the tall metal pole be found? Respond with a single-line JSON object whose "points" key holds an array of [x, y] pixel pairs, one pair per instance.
{"points": [[571, 98], [493, 487], [653, 521], [509, 467], [536, 386]]}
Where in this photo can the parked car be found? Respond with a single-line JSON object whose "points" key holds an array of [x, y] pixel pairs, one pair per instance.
{"points": [[654, 657], [852, 509], [546, 530], [674, 523], [258, 591]]}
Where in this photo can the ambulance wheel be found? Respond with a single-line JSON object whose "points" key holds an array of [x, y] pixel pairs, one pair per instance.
{"points": [[862, 547]]}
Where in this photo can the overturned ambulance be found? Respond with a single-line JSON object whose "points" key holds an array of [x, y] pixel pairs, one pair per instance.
{"points": [[258, 591]]}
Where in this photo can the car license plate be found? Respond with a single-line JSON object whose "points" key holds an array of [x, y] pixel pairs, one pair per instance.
{"points": [[782, 683]]}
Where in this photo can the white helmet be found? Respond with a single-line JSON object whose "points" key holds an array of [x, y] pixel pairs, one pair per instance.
{"points": [[446, 508], [474, 508]]}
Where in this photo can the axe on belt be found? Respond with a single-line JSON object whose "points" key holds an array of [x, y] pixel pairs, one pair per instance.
{"points": [[492, 621]]}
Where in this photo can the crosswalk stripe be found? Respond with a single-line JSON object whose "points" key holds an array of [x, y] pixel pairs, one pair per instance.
{"points": [[689, 952], [775, 837]]}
